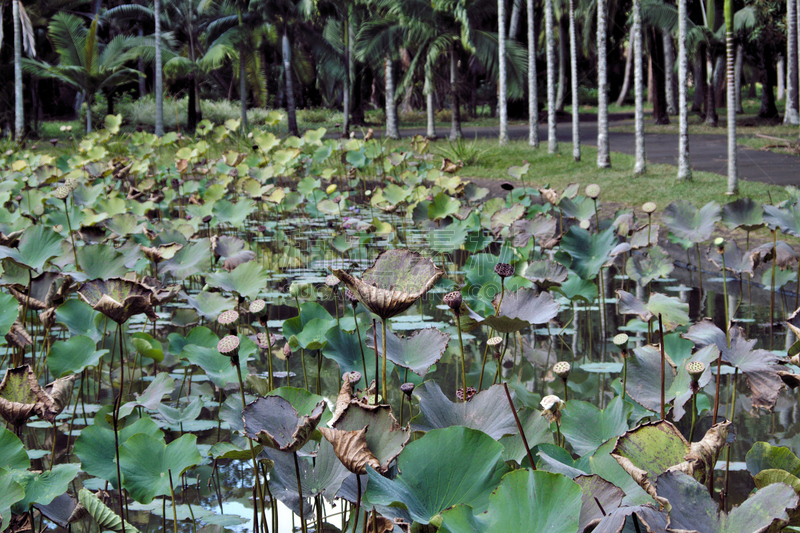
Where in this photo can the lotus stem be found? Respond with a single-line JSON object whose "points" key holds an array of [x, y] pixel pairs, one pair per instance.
{"points": [[288, 384], [463, 363], [361, 347], [602, 303], [694, 417], [699, 269], [483, 365], [728, 449], [319, 370], [374, 332], [383, 371], [115, 419], [566, 389], [519, 427], [663, 363], [502, 293], [299, 492], [727, 311], [624, 373], [358, 502], [716, 395], [772, 287], [172, 495], [303, 364], [72, 237]]}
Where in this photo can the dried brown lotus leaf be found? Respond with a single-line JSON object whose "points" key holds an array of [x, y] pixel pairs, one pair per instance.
{"points": [[702, 456], [18, 337], [21, 397], [352, 450], [34, 304], [343, 400]]}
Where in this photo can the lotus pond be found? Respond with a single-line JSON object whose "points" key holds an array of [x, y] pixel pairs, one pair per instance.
{"points": [[263, 334]]}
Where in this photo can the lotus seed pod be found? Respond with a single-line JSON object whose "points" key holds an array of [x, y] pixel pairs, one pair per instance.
{"points": [[228, 318], [453, 301], [551, 407], [407, 389], [229, 346], [296, 289], [262, 340], [508, 364], [585, 224], [593, 191], [649, 207], [287, 351], [331, 188], [719, 242], [61, 192], [561, 369], [695, 369], [353, 377], [620, 339], [494, 341], [258, 307], [331, 280], [504, 270], [471, 391], [72, 183]]}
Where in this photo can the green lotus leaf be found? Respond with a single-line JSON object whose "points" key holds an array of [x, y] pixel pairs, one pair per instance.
{"points": [[692, 509], [645, 237], [759, 367], [245, 280], [737, 260], [673, 312], [102, 261], [146, 464], [764, 456], [37, 245], [210, 304], [147, 346], [581, 207], [546, 274], [586, 253], [174, 416], [786, 219], [504, 218], [598, 498], [782, 277], [743, 213], [12, 453], [227, 450], [305, 402], [522, 308], [312, 336], [124, 224], [537, 430], [655, 264], [417, 352], [443, 206], [217, 367], [80, 319], [690, 224], [118, 298], [541, 228], [190, 260], [150, 399], [73, 356], [275, 423], [63, 510], [488, 411], [9, 312], [234, 214], [450, 237], [524, 501], [43, 487], [648, 519], [603, 464], [444, 468], [396, 280], [586, 427], [96, 444], [12, 493], [343, 348], [106, 518], [578, 288]]}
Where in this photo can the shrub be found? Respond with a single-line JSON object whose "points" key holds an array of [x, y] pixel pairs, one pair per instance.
{"points": [[443, 115]]}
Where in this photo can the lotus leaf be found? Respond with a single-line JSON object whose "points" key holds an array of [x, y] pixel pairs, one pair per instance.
{"points": [[100, 261], [384, 438], [63, 510], [650, 520], [118, 298], [764, 456], [445, 467], [759, 367], [209, 305], [201, 352], [80, 319], [480, 413], [177, 416], [73, 355], [246, 280], [598, 499], [522, 308], [275, 423], [8, 312], [546, 274], [586, 253], [640, 237], [504, 218], [43, 487], [189, 260], [736, 259], [12, 453], [47, 290], [586, 427], [417, 352], [644, 378], [21, 396], [581, 208], [442, 206], [673, 312], [106, 518], [396, 280], [541, 228], [743, 213], [537, 430], [524, 501], [692, 509], [151, 397], [690, 224], [655, 264], [147, 464], [784, 254], [786, 219], [37, 245]]}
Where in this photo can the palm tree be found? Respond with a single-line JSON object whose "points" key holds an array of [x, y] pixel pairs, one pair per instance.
{"points": [[85, 63], [502, 103], [552, 142], [159, 71], [19, 119], [791, 116], [640, 165], [603, 158], [733, 165], [573, 63], [533, 97], [684, 169]]}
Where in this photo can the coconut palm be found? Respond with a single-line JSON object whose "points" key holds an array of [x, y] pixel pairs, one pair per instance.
{"points": [[502, 103], [158, 70], [19, 119], [733, 166], [573, 63], [85, 63], [684, 170], [552, 142], [533, 97], [791, 116], [603, 158], [638, 74]]}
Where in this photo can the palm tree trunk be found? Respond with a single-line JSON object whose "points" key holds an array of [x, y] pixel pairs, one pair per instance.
{"points": [[392, 130], [243, 90], [781, 78], [669, 65], [738, 75], [19, 99], [552, 141], [699, 81], [140, 67], [563, 52], [791, 116], [513, 24], [429, 90], [455, 121], [159, 79], [712, 119], [733, 164], [502, 104], [88, 113], [638, 74], [603, 158], [533, 96], [626, 81], [347, 74], [573, 68], [291, 112], [684, 169]]}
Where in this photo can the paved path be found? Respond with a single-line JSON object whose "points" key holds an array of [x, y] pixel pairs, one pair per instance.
{"points": [[708, 152]]}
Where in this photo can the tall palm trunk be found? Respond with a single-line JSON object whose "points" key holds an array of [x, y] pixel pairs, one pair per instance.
{"points": [[563, 53], [429, 90], [19, 123], [638, 74], [140, 67], [347, 76], [88, 113], [533, 96], [791, 116], [159, 77], [455, 120], [552, 142], [669, 65], [502, 104], [291, 111], [738, 74], [603, 158], [626, 80], [684, 170], [392, 130], [733, 163], [573, 69], [513, 23]]}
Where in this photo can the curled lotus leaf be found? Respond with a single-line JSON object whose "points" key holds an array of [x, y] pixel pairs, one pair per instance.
{"points": [[522, 308], [156, 254], [541, 228], [385, 439], [737, 260], [651, 520], [18, 336], [597, 492], [231, 250], [546, 274], [784, 254], [352, 450], [21, 396], [396, 280], [48, 289], [786, 219], [645, 237], [275, 423], [118, 298]]}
